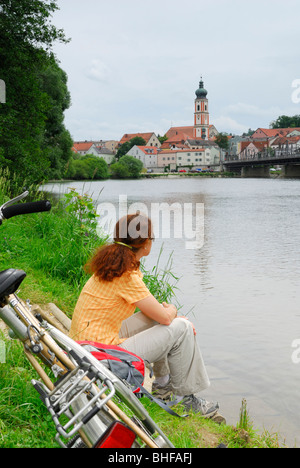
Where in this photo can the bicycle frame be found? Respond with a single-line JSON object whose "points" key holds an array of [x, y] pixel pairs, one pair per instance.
{"points": [[62, 354]]}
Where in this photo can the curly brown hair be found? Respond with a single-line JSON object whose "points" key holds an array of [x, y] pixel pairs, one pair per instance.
{"points": [[113, 260]]}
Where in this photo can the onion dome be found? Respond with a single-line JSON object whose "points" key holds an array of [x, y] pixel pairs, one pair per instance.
{"points": [[201, 93]]}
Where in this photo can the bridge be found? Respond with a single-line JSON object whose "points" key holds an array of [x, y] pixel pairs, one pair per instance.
{"points": [[258, 165]]}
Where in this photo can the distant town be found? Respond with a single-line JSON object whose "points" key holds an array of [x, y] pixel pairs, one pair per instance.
{"points": [[195, 148]]}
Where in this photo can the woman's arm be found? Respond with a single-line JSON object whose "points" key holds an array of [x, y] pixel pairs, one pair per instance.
{"points": [[162, 313]]}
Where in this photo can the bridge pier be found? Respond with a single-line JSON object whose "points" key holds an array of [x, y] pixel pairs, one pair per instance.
{"points": [[236, 170], [290, 170], [256, 171]]}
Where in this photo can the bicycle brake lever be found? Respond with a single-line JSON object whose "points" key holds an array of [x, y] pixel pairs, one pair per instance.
{"points": [[11, 202], [14, 200]]}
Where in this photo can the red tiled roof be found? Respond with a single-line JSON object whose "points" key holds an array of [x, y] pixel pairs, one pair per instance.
{"points": [[294, 138], [82, 146], [244, 144], [145, 148], [260, 145], [165, 145], [168, 145], [180, 134], [129, 136], [285, 140], [273, 132]]}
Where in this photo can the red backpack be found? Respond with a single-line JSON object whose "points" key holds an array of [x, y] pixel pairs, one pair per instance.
{"points": [[127, 366], [124, 364]]}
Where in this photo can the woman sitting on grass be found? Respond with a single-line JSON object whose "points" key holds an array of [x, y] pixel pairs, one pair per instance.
{"points": [[105, 314]]}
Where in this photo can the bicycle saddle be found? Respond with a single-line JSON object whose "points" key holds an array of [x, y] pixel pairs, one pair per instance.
{"points": [[10, 280]]}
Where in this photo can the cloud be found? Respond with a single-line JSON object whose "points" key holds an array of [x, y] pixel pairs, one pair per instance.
{"points": [[99, 71], [249, 109], [229, 125], [135, 72]]}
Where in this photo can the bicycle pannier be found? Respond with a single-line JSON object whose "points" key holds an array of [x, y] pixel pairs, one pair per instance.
{"points": [[122, 363]]}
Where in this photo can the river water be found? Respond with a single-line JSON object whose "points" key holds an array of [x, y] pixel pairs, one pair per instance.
{"points": [[239, 282]]}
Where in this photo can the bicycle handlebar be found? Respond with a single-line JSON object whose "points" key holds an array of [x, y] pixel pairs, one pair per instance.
{"points": [[25, 208]]}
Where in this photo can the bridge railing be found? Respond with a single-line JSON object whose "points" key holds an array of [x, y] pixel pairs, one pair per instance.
{"points": [[265, 155]]}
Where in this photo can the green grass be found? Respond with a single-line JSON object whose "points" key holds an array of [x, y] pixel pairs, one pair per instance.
{"points": [[161, 281], [52, 248], [24, 421]]}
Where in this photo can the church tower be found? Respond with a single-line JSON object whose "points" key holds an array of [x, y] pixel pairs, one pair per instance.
{"points": [[201, 123]]}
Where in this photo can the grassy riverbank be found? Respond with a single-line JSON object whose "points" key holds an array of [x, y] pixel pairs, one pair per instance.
{"points": [[52, 248], [173, 175]]}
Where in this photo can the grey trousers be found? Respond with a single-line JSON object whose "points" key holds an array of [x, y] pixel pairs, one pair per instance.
{"points": [[171, 349]]}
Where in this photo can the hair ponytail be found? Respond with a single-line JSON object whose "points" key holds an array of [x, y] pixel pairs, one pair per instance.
{"points": [[113, 260]]}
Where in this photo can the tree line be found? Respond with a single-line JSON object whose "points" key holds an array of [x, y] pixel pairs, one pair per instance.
{"points": [[34, 143], [284, 121], [90, 167], [93, 167]]}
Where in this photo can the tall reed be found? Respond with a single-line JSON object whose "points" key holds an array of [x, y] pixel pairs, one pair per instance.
{"points": [[10, 187]]}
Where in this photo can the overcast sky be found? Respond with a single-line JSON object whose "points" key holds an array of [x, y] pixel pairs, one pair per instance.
{"points": [[134, 65]]}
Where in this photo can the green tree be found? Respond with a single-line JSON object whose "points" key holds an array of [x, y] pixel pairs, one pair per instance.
{"points": [[27, 146], [88, 167], [57, 140], [138, 141], [284, 121], [27, 22], [249, 133], [127, 167], [222, 140], [162, 139]]}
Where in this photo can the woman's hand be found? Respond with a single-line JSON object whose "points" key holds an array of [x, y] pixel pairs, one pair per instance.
{"points": [[171, 308], [194, 329]]}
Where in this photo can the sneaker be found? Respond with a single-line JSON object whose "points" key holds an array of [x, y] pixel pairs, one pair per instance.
{"points": [[162, 392], [199, 405]]}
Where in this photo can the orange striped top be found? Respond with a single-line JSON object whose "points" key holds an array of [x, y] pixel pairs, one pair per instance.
{"points": [[103, 305]]}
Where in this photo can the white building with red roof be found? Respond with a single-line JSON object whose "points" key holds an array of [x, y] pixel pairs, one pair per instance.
{"points": [[150, 138], [272, 133], [146, 154], [85, 147]]}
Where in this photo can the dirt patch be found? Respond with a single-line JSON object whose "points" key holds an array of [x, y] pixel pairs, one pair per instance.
{"points": [[208, 439], [3, 327]]}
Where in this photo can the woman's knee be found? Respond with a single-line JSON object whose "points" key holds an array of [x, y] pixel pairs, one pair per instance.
{"points": [[182, 326]]}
